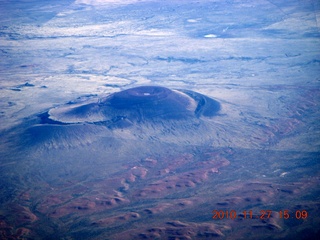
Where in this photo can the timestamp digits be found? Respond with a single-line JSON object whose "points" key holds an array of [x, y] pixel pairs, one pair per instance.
{"points": [[263, 214]]}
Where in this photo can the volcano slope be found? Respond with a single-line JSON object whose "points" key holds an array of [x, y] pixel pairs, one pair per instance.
{"points": [[145, 113]]}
